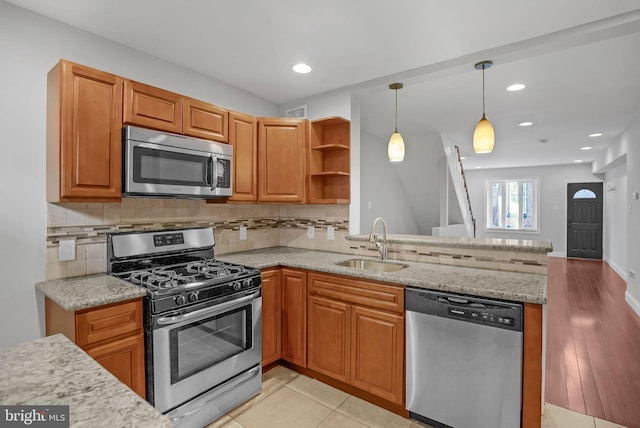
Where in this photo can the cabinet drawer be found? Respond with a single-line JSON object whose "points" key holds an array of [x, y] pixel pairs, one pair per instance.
{"points": [[366, 293], [110, 321]]}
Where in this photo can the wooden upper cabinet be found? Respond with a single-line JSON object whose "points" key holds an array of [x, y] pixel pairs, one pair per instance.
{"points": [[84, 135], [243, 136], [204, 120], [281, 160], [152, 107]]}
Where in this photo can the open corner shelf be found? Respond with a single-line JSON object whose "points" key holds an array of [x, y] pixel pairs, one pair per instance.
{"points": [[329, 161]]}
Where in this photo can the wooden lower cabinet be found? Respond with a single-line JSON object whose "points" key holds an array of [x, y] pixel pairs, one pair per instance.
{"points": [[294, 317], [329, 337], [123, 358], [377, 353], [112, 334], [271, 320], [359, 345]]}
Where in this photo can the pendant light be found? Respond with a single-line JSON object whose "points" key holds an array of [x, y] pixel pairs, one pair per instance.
{"points": [[395, 151], [483, 136]]}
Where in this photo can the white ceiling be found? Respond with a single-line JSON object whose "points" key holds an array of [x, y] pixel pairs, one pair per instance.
{"points": [[580, 60]]}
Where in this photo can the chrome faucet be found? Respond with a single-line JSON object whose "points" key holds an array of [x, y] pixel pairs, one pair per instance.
{"points": [[373, 237]]}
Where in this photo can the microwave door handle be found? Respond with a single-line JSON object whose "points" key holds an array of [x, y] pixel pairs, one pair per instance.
{"points": [[214, 172]]}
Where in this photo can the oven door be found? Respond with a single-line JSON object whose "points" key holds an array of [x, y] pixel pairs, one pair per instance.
{"points": [[163, 170], [199, 350]]}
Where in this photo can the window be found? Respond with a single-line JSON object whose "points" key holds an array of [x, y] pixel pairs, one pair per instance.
{"points": [[512, 204], [584, 194]]}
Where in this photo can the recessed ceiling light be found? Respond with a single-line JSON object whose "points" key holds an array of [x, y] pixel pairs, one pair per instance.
{"points": [[516, 87], [301, 68], [462, 157], [478, 167], [597, 134], [525, 124], [577, 161], [586, 148]]}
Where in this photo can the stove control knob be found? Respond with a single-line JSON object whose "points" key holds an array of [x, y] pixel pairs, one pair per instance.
{"points": [[193, 297], [237, 286], [246, 283], [180, 300]]}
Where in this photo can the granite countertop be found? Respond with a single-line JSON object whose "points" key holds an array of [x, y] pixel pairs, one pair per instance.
{"points": [[522, 245], [83, 292], [519, 287], [53, 371]]}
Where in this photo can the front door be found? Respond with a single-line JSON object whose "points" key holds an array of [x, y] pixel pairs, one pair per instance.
{"points": [[584, 220]]}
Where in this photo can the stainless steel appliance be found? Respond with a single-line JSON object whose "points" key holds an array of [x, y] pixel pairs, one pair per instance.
{"points": [[159, 164], [464, 360], [202, 321]]}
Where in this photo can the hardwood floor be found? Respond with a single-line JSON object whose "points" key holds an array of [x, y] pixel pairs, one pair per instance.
{"points": [[593, 342]]}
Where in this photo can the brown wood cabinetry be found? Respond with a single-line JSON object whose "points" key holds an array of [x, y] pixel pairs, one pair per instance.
{"points": [[243, 136], [111, 334], [271, 320], [294, 317], [281, 160], [152, 107], [329, 338], [356, 334], [84, 137], [329, 161], [204, 120]]}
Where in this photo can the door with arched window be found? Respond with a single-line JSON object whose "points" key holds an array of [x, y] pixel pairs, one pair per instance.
{"points": [[584, 220]]}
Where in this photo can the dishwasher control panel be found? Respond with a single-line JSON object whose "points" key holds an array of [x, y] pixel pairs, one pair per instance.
{"points": [[477, 310], [488, 317]]}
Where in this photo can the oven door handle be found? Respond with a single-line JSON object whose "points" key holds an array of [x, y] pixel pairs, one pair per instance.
{"points": [[206, 311]]}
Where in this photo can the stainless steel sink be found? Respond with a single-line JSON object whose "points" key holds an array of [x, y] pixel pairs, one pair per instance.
{"points": [[373, 265]]}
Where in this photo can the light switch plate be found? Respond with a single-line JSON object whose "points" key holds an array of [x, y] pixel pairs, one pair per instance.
{"points": [[243, 233], [67, 250], [310, 232], [330, 233]]}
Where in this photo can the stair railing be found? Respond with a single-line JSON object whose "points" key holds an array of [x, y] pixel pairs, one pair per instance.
{"points": [[463, 180]]}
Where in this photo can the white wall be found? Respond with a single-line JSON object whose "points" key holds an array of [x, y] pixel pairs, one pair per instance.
{"points": [[30, 45], [553, 189], [334, 103], [381, 187], [615, 219]]}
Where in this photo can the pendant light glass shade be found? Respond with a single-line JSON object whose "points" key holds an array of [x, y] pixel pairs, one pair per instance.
{"points": [[483, 137], [395, 150]]}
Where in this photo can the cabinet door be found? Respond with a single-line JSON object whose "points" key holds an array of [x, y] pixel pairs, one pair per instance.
{"points": [[377, 353], [281, 160], [84, 134], [124, 358], [294, 317], [270, 316], [243, 136], [329, 338], [152, 107], [204, 120]]}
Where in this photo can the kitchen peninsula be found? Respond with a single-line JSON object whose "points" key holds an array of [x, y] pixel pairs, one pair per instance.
{"points": [[54, 371]]}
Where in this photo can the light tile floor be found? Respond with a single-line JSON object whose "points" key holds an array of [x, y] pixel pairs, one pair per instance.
{"points": [[291, 400]]}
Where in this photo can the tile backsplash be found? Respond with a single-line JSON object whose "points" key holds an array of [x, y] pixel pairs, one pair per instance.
{"points": [[267, 226]]}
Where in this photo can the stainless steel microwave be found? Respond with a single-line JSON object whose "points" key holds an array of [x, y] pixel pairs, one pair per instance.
{"points": [[159, 164]]}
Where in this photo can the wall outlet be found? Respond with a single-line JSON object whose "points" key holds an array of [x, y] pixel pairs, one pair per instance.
{"points": [[243, 233], [632, 275], [311, 231], [330, 233], [67, 250]]}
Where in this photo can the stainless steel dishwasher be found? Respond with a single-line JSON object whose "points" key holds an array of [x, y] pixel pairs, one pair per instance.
{"points": [[464, 360]]}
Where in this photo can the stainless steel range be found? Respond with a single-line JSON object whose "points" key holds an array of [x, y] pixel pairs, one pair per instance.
{"points": [[203, 322]]}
